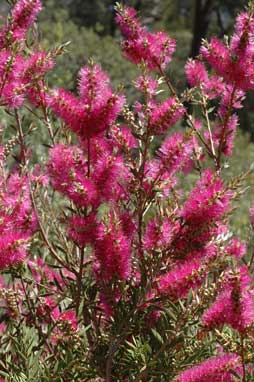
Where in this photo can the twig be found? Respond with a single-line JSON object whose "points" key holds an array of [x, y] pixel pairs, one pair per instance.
{"points": [[189, 118], [21, 138], [243, 358], [44, 237], [225, 121], [79, 280], [208, 125], [88, 156], [252, 259]]}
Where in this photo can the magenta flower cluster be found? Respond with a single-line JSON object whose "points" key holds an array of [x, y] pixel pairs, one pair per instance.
{"points": [[125, 223]]}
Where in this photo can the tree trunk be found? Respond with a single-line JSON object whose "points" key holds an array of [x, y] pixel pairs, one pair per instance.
{"points": [[202, 18]]}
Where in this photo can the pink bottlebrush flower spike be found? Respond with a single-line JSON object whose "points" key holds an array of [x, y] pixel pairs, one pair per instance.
{"points": [[234, 305], [68, 107], [153, 49], [82, 230], [178, 282], [13, 249], [234, 62], [165, 115], [68, 173], [112, 250], [215, 369], [23, 16], [110, 177], [129, 23], [236, 248], [96, 109], [94, 86], [147, 85], [102, 106], [175, 152], [207, 201], [196, 73], [158, 234]]}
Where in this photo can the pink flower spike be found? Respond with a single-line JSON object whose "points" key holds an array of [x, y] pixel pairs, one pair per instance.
{"points": [[175, 152], [224, 134], [177, 283], [234, 305], [244, 23], [158, 234], [82, 230], [113, 251], [196, 73], [24, 14], [153, 49], [217, 55], [39, 63], [68, 172], [68, 107], [70, 317], [110, 177], [101, 105], [94, 86], [123, 138], [236, 249], [147, 85], [242, 42], [96, 109], [165, 115], [13, 249], [208, 201], [129, 23], [215, 369]]}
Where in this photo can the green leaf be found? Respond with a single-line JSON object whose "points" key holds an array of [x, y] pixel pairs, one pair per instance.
{"points": [[157, 336]]}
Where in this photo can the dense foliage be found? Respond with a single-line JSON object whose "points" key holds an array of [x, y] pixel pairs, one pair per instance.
{"points": [[117, 254]]}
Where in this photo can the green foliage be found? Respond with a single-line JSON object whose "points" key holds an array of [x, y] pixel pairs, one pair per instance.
{"points": [[85, 44], [242, 161], [169, 345]]}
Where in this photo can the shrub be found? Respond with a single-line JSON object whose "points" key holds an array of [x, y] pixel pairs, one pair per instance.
{"points": [[111, 271]]}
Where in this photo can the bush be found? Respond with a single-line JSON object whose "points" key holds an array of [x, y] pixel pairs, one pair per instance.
{"points": [[118, 257]]}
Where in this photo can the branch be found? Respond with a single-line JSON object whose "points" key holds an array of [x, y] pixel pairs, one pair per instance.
{"points": [[45, 239]]}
